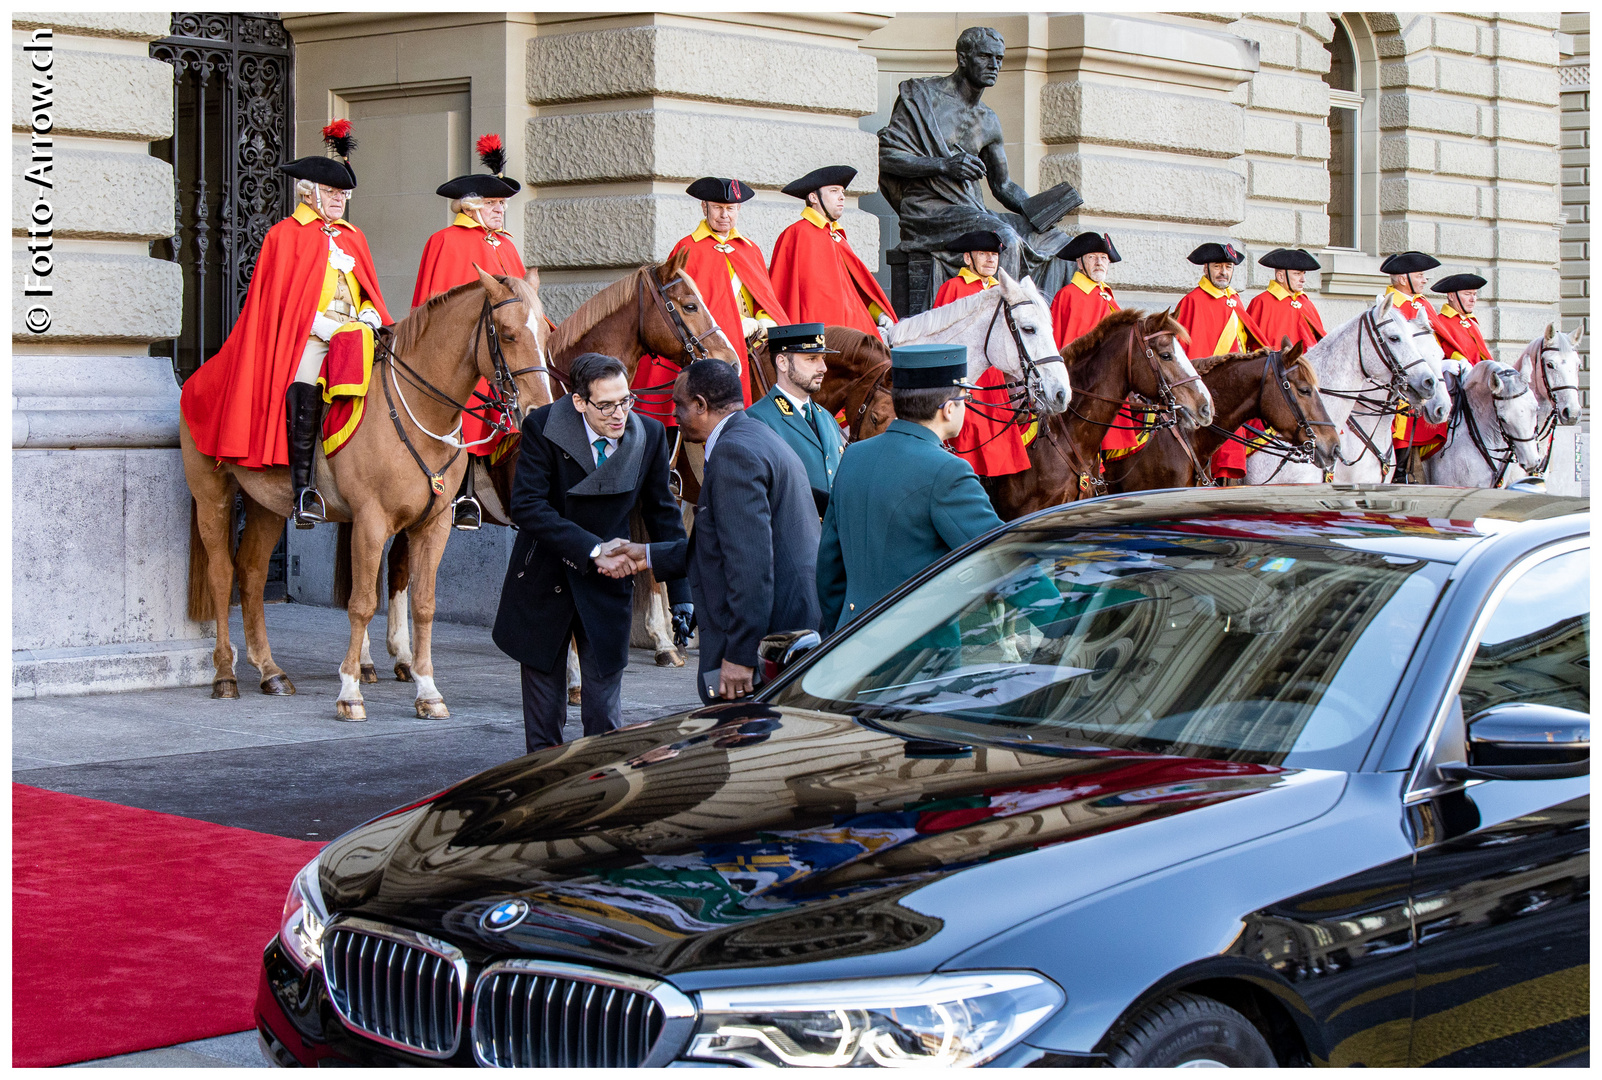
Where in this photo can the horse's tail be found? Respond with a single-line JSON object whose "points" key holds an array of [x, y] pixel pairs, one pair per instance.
{"points": [[199, 591], [342, 566], [400, 564]]}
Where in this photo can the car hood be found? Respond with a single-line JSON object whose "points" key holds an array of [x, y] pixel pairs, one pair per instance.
{"points": [[742, 836]]}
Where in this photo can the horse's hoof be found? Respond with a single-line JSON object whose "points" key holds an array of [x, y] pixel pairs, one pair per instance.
{"points": [[225, 688], [350, 710], [573, 695], [403, 672], [669, 658], [432, 710], [369, 673], [277, 685]]}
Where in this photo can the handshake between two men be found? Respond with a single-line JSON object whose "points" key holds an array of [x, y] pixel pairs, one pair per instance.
{"points": [[622, 558]]}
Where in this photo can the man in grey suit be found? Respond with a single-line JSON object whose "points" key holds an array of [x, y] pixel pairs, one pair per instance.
{"points": [[753, 552]]}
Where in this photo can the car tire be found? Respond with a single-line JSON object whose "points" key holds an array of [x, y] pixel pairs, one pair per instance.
{"points": [[1189, 1031]]}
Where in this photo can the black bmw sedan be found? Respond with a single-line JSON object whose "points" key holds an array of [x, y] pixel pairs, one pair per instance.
{"points": [[1245, 777]]}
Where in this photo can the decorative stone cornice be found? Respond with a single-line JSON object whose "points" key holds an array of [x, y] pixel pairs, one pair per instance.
{"points": [[1096, 44]]}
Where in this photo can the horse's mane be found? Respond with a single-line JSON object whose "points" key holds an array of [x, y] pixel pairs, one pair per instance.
{"points": [[1209, 363], [409, 331], [1086, 344], [590, 314], [940, 319]]}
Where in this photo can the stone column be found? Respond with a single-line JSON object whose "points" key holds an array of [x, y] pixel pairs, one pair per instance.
{"points": [[100, 511], [1569, 472], [631, 107]]}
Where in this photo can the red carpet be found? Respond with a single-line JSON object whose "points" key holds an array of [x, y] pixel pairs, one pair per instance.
{"points": [[133, 929]]}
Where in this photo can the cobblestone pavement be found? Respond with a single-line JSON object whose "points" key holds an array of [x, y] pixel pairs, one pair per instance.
{"points": [[284, 765]]}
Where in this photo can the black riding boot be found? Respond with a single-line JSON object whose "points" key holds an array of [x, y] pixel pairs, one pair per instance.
{"points": [[304, 415], [1404, 465], [466, 514]]}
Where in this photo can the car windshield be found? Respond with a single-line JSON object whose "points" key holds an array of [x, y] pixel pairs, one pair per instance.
{"points": [[1254, 651]]}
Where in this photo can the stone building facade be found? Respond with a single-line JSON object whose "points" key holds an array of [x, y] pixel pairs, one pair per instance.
{"points": [[1353, 135], [100, 513]]}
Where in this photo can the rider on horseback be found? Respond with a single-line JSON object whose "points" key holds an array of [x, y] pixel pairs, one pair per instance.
{"points": [[1406, 291], [308, 283]]}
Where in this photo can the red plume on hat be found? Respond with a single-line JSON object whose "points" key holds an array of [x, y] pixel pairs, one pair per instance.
{"points": [[339, 139], [492, 154]]}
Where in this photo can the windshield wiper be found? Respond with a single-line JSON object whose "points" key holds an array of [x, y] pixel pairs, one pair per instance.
{"points": [[918, 747]]}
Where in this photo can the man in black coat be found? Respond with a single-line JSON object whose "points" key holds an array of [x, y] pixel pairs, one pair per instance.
{"points": [[585, 463], [753, 553]]}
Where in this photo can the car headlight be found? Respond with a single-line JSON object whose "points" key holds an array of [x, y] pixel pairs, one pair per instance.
{"points": [[301, 927], [960, 1019]]}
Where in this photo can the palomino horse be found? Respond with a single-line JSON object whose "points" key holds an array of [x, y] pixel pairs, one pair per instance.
{"points": [[1366, 367], [856, 384], [1494, 436], [1128, 352], [655, 310], [1277, 388], [1551, 365], [1007, 327], [389, 478]]}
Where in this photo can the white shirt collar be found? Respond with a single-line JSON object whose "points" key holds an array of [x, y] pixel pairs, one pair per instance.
{"points": [[590, 435], [713, 438], [800, 403]]}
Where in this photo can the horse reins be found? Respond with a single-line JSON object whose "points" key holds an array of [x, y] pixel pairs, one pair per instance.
{"points": [[1497, 459], [1395, 392]]}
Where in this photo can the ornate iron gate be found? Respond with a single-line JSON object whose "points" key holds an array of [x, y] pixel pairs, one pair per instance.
{"points": [[232, 117]]}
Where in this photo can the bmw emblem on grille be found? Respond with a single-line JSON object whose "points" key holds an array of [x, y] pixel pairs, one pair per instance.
{"points": [[504, 915]]}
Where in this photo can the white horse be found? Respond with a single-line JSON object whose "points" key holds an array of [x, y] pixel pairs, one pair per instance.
{"points": [[1492, 439], [1364, 366], [1551, 365], [1008, 327]]}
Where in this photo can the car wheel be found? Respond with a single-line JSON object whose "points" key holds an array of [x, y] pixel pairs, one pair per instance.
{"points": [[1190, 1032]]}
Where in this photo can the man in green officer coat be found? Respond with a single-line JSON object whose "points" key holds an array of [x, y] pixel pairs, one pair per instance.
{"points": [[799, 361], [901, 500]]}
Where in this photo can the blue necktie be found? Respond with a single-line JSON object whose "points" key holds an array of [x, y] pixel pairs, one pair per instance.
{"points": [[600, 452]]}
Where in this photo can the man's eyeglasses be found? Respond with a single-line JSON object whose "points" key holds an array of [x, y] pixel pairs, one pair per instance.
{"points": [[610, 408]]}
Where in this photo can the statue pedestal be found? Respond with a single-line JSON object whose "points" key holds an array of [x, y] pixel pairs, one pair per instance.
{"points": [[911, 281]]}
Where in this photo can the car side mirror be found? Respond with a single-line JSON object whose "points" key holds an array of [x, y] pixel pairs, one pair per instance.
{"points": [[1521, 741], [779, 651]]}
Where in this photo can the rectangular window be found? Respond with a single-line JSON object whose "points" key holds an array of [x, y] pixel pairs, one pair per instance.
{"points": [[1344, 168]]}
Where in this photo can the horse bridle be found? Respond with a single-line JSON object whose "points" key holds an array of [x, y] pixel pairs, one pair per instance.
{"points": [[690, 344], [1395, 391], [1547, 429], [1463, 412], [1026, 363]]}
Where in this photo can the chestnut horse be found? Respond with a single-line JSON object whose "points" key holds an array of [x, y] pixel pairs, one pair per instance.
{"points": [[1128, 352], [394, 475], [1280, 389], [857, 383]]}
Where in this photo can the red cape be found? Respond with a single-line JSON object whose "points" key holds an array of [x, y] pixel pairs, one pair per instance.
{"points": [[818, 278], [989, 440], [1074, 311], [709, 267], [1460, 335], [449, 255], [1277, 318], [235, 403], [447, 262], [1406, 429], [1205, 316]]}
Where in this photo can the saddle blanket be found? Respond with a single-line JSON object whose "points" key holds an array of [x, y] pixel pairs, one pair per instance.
{"points": [[346, 375]]}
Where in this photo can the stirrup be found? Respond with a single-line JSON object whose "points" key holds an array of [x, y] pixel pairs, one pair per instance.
{"points": [[305, 517], [466, 514]]}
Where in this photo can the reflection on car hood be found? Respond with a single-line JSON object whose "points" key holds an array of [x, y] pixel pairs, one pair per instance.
{"points": [[742, 836]]}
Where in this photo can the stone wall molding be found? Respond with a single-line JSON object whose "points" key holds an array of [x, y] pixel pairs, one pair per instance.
{"points": [[65, 402], [1092, 44], [109, 95]]}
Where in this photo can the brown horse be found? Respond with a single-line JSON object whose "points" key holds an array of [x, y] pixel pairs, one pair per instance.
{"points": [[1277, 388], [1128, 352], [856, 384], [655, 310], [394, 475]]}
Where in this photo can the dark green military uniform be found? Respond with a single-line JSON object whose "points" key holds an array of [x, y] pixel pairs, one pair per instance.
{"points": [[901, 501], [811, 433]]}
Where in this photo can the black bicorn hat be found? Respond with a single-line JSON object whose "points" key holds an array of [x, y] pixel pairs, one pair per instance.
{"points": [[1458, 283], [1289, 259], [978, 240], [720, 190], [330, 172], [804, 337], [1217, 253], [820, 178], [1408, 262], [1089, 243], [492, 185]]}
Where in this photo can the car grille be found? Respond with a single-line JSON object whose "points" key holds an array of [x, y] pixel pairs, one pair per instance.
{"points": [[406, 993], [525, 1019]]}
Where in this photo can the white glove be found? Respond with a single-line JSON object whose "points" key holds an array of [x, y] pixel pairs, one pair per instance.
{"points": [[324, 327], [885, 321], [749, 327], [1455, 366], [767, 323], [369, 315]]}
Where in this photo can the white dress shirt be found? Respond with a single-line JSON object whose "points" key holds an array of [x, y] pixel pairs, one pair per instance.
{"points": [[591, 435], [713, 438]]}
